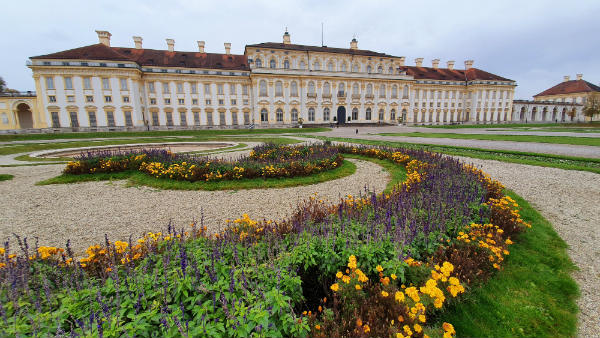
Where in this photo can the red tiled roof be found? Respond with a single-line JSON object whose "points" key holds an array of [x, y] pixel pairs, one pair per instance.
{"points": [[570, 87], [429, 73], [324, 49], [153, 57]]}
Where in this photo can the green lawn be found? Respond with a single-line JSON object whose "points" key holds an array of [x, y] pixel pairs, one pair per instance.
{"points": [[542, 160], [587, 141], [136, 178], [397, 173], [532, 296], [518, 125], [6, 177], [158, 133]]}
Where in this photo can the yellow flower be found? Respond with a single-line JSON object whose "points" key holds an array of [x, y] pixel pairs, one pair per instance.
{"points": [[379, 268], [393, 276], [357, 287], [417, 328], [318, 327], [335, 287], [422, 318], [384, 294], [366, 328], [448, 328], [399, 296], [399, 335], [339, 274], [346, 279]]}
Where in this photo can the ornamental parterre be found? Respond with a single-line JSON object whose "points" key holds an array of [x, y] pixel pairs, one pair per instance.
{"points": [[372, 265]]}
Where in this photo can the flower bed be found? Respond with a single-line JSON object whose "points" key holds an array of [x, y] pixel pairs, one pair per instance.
{"points": [[371, 265], [267, 161]]}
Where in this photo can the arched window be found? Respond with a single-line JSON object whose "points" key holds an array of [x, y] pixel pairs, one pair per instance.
{"points": [[258, 63], [391, 70], [311, 88], [272, 63], [341, 89], [405, 92], [355, 89], [317, 65], [294, 115], [369, 69], [354, 114], [326, 114], [264, 115], [380, 70], [382, 90], [369, 89], [330, 66], [394, 92], [326, 89], [278, 88], [294, 89], [381, 115], [393, 114], [302, 64], [263, 88], [344, 67], [279, 115], [355, 68], [286, 64], [368, 114], [311, 114]]}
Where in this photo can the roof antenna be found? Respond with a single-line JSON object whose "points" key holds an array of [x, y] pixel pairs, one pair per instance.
{"points": [[322, 34]]}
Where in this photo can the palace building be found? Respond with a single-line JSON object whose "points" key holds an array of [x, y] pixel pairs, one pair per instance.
{"points": [[101, 87]]}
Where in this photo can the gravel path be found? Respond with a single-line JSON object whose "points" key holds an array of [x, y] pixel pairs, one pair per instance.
{"points": [[569, 200], [84, 212]]}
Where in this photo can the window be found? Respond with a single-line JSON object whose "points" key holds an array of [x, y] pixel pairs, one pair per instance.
{"points": [[169, 118], [110, 118], [68, 83], [182, 118], [368, 114], [208, 102], [317, 65], [107, 98], [233, 102], [209, 118], [151, 87], [381, 114], [87, 83], [74, 119], [125, 99], [272, 63], [326, 114], [220, 89], [152, 101], [341, 89], [355, 68], [258, 63], [330, 67], [369, 69], [326, 89], [206, 89], [380, 70], [245, 101], [311, 114], [49, 83], [294, 89], [294, 115], [344, 67], [302, 65], [390, 70], [264, 115], [128, 119], [311, 88], [279, 115], [167, 101], [354, 114], [222, 120], [70, 98], [92, 119], [232, 89], [394, 92], [370, 89], [155, 121], [393, 115], [195, 102], [355, 89], [278, 88], [179, 87], [89, 98], [105, 83], [55, 120], [194, 87], [262, 88], [181, 101], [221, 102], [197, 118], [286, 64], [246, 118], [165, 87], [382, 90], [405, 92], [123, 84], [245, 90]]}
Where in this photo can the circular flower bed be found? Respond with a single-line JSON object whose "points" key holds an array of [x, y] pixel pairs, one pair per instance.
{"points": [[380, 265], [267, 161]]}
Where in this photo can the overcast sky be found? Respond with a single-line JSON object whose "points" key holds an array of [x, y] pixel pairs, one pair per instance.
{"points": [[533, 42]]}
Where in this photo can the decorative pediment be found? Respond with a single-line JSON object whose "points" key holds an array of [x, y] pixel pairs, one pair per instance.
{"points": [[394, 104], [294, 102], [279, 103], [180, 109], [89, 107], [263, 102], [108, 108], [72, 108], [52, 108]]}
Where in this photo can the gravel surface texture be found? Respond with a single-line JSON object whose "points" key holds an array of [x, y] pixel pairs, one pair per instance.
{"points": [[569, 200], [84, 212]]}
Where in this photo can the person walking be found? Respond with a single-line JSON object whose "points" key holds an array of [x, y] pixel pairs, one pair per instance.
{"points": [[356, 131]]}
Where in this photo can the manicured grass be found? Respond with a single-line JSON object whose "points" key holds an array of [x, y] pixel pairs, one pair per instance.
{"points": [[587, 141], [518, 125], [397, 173], [6, 177], [532, 296], [542, 160], [140, 179], [158, 133]]}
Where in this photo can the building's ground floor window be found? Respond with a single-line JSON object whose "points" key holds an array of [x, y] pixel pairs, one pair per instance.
{"points": [[155, 121], [197, 118], [354, 114], [294, 115], [110, 118], [222, 118], [169, 118], [279, 115], [92, 119], [128, 119], [182, 118], [234, 118], [209, 118], [311, 114], [326, 114], [368, 114], [55, 119], [246, 118], [264, 115], [393, 115], [381, 114], [74, 119]]}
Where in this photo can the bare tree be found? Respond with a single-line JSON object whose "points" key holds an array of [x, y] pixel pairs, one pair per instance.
{"points": [[592, 105]]}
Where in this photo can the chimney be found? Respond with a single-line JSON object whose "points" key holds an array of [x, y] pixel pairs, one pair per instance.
{"points": [[104, 37], [354, 44], [435, 63], [402, 59], [138, 42], [286, 38], [419, 62], [227, 48], [171, 45], [469, 64], [567, 78], [450, 64], [579, 76], [201, 46]]}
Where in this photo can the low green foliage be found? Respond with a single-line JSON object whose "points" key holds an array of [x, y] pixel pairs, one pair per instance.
{"points": [[6, 177], [532, 296], [587, 141]]}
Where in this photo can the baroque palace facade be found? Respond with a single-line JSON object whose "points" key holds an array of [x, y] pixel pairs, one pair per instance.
{"points": [[100, 87]]}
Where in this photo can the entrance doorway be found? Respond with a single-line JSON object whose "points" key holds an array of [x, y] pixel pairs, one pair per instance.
{"points": [[341, 115], [24, 115]]}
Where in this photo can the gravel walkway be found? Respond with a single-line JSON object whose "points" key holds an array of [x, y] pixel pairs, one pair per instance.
{"points": [[84, 212], [569, 200]]}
